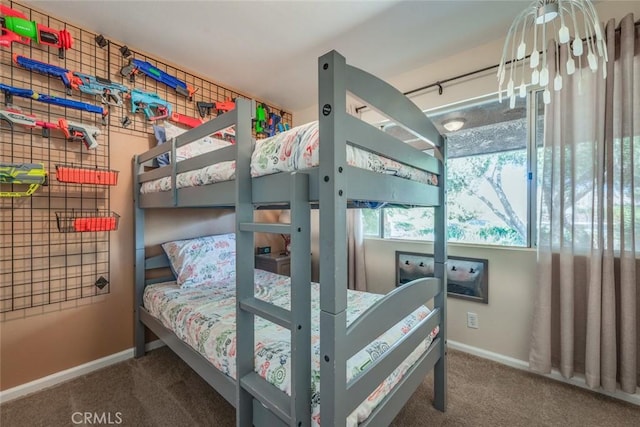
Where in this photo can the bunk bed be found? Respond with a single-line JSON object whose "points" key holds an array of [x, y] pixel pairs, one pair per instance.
{"points": [[333, 186]]}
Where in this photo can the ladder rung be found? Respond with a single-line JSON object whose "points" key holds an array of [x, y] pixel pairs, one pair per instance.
{"points": [[266, 227], [276, 400], [268, 311]]}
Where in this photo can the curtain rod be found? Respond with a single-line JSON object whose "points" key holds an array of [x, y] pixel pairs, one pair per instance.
{"points": [[439, 83]]}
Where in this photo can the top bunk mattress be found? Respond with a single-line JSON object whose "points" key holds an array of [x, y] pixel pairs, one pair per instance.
{"points": [[204, 318], [295, 149]]}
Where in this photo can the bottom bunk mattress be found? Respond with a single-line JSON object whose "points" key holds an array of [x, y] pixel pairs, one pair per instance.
{"points": [[204, 318], [295, 149]]}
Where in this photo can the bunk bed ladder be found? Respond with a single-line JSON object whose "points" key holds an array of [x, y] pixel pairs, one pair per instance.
{"points": [[259, 402]]}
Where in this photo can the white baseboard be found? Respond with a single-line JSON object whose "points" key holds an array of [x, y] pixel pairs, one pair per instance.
{"points": [[69, 374], [577, 380]]}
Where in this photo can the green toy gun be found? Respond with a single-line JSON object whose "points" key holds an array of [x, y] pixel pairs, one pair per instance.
{"points": [[31, 174], [262, 112], [15, 27]]}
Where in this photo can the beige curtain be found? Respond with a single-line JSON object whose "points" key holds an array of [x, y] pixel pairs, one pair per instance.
{"points": [[355, 254], [586, 315]]}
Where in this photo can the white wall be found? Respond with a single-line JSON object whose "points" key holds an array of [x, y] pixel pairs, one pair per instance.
{"points": [[505, 322]]}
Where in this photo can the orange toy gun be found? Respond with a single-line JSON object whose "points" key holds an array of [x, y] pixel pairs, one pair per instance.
{"points": [[204, 108], [86, 134], [192, 122]]}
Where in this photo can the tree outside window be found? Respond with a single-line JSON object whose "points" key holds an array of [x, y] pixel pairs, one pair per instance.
{"points": [[487, 180]]}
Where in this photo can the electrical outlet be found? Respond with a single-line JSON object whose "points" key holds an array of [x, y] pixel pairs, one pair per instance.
{"points": [[472, 320]]}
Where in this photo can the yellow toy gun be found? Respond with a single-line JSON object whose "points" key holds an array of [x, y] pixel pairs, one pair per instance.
{"points": [[31, 174]]}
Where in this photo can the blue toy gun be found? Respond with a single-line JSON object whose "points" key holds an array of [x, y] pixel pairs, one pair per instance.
{"points": [[10, 92], [136, 66], [110, 93], [65, 75], [148, 102], [272, 124]]}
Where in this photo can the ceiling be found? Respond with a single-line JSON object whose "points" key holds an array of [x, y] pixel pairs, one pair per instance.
{"points": [[269, 49]]}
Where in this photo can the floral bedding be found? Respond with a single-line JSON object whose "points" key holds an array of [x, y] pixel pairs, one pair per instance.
{"points": [[204, 318], [292, 150], [219, 172], [298, 149]]}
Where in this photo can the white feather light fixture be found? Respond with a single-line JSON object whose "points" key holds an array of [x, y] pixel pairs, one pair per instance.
{"points": [[572, 22]]}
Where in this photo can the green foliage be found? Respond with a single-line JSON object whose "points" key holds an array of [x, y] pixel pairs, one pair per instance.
{"points": [[469, 176], [502, 235], [405, 226], [475, 186], [455, 232], [371, 221]]}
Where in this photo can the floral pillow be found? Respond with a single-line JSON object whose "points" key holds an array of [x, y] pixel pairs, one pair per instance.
{"points": [[209, 258]]}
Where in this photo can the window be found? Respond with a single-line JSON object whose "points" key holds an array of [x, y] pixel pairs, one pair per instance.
{"points": [[488, 179]]}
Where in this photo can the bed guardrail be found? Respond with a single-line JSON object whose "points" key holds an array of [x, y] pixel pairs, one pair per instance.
{"points": [[398, 190], [207, 159], [363, 135], [381, 316], [389, 310], [391, 103], [224, 121], [191, 197], [155, 152]]}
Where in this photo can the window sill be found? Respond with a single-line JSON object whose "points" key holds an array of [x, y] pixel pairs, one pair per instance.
{"points": [[455, 244]]}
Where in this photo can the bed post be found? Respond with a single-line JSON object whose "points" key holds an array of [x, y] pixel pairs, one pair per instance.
{"points": [[138, 227], [245, 342], [332, 96], [440, 270]]}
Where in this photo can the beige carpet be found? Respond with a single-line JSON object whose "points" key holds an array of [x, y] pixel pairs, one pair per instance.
{"points": [[160, 390]]}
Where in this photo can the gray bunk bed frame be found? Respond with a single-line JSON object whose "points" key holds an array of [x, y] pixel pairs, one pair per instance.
{"points": [[331, 186]]}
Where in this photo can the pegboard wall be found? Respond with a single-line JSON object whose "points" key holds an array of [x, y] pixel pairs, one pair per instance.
{"points": [[55, 243]]}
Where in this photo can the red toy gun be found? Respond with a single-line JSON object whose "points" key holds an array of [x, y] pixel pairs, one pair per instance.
{"points": [[16, 27]]}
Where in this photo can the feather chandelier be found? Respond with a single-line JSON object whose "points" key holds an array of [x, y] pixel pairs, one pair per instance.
{"points": [[574, 23]]}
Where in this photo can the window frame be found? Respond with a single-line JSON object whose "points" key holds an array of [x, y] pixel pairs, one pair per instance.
{"points": [[532, 105]]}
